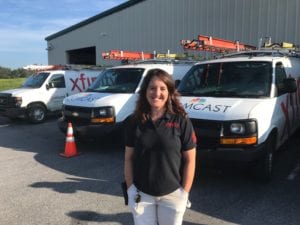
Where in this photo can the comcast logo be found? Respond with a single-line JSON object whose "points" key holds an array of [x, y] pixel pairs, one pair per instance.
{"points": [[198, 100]]}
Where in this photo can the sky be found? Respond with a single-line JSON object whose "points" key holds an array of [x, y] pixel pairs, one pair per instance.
{"points": [[24, 25]]}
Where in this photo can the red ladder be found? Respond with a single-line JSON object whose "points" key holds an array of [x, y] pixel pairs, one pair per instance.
{"points": [[126, 55], [208, 43]]}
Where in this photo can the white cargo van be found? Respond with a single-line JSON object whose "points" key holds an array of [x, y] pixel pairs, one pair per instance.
{"points": [[244, 106], [102, 108], [44, 92]]}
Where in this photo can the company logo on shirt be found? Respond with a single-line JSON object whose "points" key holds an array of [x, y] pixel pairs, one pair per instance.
{"points": [[200, 104], [172, 124], [194, 137]]}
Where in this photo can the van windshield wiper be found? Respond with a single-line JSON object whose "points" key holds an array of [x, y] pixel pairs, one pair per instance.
{"points": [[89, 90], [187, 93], [219, 93]]}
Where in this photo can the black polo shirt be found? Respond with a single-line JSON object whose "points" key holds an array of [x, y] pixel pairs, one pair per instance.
{"points": [[158, 146]]}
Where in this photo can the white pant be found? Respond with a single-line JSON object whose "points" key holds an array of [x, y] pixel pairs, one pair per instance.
{"points": [[164, 210]]}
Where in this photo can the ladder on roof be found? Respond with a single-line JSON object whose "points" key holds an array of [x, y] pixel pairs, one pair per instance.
{"points": [[41, 68], [126, 55], [44, 67], [212, 44], [137, 56]]}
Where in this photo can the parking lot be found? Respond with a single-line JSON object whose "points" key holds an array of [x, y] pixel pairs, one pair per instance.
{"points": [[38, 186]]}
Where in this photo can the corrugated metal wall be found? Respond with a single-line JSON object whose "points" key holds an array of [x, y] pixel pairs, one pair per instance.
{"points": [[161, 24]]}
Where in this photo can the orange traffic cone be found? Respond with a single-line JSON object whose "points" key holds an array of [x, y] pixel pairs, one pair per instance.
{"points": [[70, 146]]}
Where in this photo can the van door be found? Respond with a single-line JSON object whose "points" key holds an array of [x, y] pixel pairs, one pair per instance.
{"points": [[56, 90]]}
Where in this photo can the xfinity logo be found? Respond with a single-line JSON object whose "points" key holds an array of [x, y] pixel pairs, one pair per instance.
{"points": [[82, 82]]}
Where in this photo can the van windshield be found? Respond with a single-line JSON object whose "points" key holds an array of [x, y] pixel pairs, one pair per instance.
{"points": [[35, 80], [228, 79], [119, 80]]}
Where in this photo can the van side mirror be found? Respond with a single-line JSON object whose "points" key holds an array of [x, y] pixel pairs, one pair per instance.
{"points": [[49, 85], [290, 85]]}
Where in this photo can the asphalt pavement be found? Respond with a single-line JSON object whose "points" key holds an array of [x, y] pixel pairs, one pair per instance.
{"points": [[39, 187]]}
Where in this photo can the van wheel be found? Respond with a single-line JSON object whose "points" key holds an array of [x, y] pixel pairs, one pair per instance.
{"points": [[264, 166], [36, 113]]}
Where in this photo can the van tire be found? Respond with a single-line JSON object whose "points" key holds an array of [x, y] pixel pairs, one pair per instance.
{"points": [[264, 166], [36, 113]]}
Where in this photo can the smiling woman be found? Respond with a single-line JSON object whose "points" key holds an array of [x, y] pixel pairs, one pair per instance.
{"points": [[160, 153]]}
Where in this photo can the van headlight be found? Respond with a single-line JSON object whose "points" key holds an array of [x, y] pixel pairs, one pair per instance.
{"points": [[16, 101], [237, 128], [241, 132], [103, 115]]}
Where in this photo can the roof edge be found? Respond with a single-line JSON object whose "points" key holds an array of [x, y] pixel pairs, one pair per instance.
{"points": [[94, 18]]}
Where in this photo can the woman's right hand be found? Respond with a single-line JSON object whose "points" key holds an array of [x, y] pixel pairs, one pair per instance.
{"points": [[128, 166]]}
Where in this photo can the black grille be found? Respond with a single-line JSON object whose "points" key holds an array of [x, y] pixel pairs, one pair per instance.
{"points": [[77, 120], [5, 100], [77, 115], [207, 132], [77, 109]]}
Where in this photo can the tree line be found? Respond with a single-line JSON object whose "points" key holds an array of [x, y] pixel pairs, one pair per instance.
{"points": [[7, 73]]}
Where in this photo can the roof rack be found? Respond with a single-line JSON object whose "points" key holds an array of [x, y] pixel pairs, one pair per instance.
{"points": [[84, 67], [261, 53], [35, 67], [284, 48], [270, 49], [278, 46], [252, 53], [40, 68], [165, 61], [229, 48]]}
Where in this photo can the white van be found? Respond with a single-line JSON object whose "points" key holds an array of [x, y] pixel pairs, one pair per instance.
{"points": [[44, 92], [244, 106], [102, 108]]}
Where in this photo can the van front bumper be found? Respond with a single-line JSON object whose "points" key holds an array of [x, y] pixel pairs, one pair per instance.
{"points": [[89, 130], [13, 112], [237, 154]]}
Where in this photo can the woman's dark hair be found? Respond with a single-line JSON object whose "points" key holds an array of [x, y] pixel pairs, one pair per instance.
{"points": [[173, 106]]}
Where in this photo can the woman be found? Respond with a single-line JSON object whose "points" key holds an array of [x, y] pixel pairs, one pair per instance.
{"points": [[159, 154]]}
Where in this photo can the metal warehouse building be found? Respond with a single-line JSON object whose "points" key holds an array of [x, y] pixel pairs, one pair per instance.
{"points": [[148, 25]]}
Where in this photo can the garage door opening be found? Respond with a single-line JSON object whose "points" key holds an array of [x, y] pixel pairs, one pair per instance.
{"points": [[85, 56]]}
